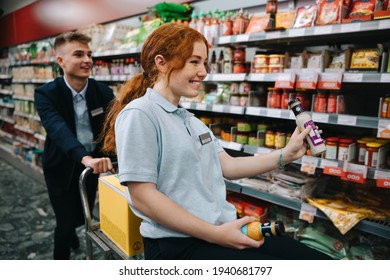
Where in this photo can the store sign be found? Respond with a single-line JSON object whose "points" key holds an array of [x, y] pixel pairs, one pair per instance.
{"points": [[334, 171], [355, 173], [285, 80], [330, 81], [307, 80]]}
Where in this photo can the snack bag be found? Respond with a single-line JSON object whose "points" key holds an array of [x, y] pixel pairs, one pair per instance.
{"points": [[305, 16]]}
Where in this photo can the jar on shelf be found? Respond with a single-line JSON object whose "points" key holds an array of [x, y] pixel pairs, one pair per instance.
{"points": [[320, 103], [372, 151], [331, 104], [235, 99], [274, 98], [239, 54], [242, 137], [361, 150], [385, 106], [280, 139], [261, 138], [238, 67], [332, 144], [270, 139], [343, 151], [252, 140], [285, 99]]}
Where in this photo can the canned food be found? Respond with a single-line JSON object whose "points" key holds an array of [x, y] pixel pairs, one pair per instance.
{"points": [[260, 60], [275, 69], [264, 69], [276, 59]]}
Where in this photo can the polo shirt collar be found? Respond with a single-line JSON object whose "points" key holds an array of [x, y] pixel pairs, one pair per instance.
{"points": [[164, 103]]}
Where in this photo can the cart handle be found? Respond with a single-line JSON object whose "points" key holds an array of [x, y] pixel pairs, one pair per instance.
{"points": [[84, 196]]}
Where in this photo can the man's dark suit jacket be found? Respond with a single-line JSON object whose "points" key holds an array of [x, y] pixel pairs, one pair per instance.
{"points": [[62, 151]]}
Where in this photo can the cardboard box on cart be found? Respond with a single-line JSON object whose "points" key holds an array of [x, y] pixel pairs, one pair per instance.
{"points": [[117, 220]]}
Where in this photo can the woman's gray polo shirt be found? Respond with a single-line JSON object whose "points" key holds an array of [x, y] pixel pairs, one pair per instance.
{"points": [[160, 143]]}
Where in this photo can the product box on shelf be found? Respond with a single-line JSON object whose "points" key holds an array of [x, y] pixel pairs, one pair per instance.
{"points": [[117, 220]]}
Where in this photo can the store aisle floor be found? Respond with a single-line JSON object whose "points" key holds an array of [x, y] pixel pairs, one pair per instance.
{"points": [[26, 218]]}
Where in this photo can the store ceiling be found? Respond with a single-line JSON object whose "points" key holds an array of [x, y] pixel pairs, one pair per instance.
{"points": [[64, 9]]}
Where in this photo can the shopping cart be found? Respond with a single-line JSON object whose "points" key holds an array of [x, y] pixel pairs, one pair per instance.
{"points": [[93, 233]]}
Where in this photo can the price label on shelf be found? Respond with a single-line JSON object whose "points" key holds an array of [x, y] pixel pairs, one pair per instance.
{"points": [[384, 24], [201, 106], [346, 120], [320, 118], [350, 27], [274, 113], [225, 39], [330, 80], [297, 32], [253, 111], [321, 30], [385, 78], [236, 110], [383, 129], [242, 38], [273, 35], [218, 108], [329, 163], [309, 164], [353, 77], [307, 212]]}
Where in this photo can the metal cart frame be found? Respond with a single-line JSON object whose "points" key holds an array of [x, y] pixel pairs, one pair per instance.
{"points": [[93, 233]]}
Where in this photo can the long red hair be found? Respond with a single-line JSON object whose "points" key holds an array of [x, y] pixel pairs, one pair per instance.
{"points": [[175, 43]]}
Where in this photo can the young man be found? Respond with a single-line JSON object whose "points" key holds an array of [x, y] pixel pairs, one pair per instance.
{"points": [[72, 109]]}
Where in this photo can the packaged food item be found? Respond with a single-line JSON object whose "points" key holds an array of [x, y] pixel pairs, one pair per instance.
{"points": [[365, 59], [362, 9], [285, 19], [257, 23], [305, 16], [260, 60], [329, 12], [338, 60]]}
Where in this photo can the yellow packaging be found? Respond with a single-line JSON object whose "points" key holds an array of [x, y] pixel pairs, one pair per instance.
{"points": [[117, 220], [285, 19], [365, 59]]}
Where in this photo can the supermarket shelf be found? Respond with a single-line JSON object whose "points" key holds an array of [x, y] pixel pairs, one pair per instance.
{"points": [[34, 62], [334, 119], [5, 76], [6, 91], [21, 97], [379, 228], [309, 35], [31, 81], [119, 52]]}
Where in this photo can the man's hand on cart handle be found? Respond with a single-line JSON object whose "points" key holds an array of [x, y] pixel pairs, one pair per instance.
{"points": [[99, 165]]}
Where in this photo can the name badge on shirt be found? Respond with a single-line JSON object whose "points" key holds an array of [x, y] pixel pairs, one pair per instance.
{"points": [[97, 111], [205, 138]]}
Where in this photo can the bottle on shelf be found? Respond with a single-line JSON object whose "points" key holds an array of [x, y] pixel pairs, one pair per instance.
{"points": [[303, 120]]}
